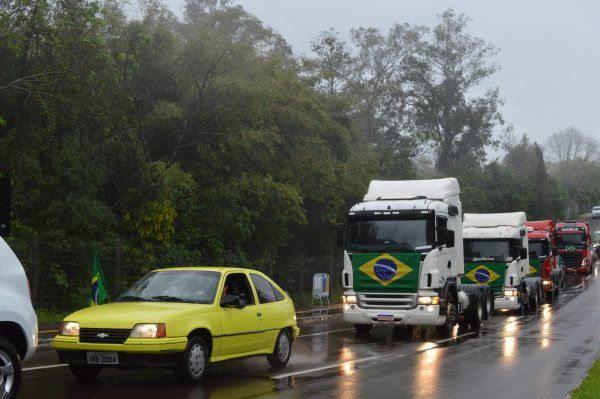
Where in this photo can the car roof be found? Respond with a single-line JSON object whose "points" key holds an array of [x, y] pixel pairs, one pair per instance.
{"points": [[221, 269]]}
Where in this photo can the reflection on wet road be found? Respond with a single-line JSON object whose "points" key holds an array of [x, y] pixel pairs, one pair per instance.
{"points": [[542, 354]]}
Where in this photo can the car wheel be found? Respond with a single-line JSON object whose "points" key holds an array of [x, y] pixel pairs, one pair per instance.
{"points": [[194, 361], [84, 371], [363, 328], [10, 370], [282, 351]]}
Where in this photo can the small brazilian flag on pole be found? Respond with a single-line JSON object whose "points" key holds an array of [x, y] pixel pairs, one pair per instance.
{"points": [[98, 294]]}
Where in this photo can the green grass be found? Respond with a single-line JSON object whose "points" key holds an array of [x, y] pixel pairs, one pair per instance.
{"points": [[46, 316], [590, 387]]}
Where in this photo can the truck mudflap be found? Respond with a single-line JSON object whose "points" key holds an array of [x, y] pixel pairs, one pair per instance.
{"points": [[421, 315]]}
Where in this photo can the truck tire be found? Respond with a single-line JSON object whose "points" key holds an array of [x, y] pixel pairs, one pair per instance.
{"points": [[524, 297], [474, 315], [534, 299], [363, 328], [488, 304], [10, 370], [445, 330]]}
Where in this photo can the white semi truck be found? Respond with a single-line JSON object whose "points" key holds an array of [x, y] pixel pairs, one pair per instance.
{"points": [[403, 258], [496, 254]]}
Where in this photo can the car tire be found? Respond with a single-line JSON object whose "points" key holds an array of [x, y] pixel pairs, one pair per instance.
{"points": [[363, 328], [194, 362], [10, 370], [282, 351], [84, 371]]}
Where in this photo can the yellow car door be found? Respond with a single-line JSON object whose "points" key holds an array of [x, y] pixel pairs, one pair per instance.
{"points": [[241, 328], [275, 311]]}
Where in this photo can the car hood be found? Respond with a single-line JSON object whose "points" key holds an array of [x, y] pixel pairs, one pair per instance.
{"points": [[128, 314]]}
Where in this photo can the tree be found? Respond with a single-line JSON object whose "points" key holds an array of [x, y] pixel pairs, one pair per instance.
{"points": [[444, 74]]}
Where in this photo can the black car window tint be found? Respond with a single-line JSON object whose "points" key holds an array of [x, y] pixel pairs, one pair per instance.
{"points": [[264, 289]]}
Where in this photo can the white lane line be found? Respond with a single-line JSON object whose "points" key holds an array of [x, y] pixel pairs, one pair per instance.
{"points": [[44, 367], [320, 309], [324, 332], [453, 338], [331, 366]]}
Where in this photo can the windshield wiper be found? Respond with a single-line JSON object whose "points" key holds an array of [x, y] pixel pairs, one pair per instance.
{"points": [[169, 298], [132, 298]]}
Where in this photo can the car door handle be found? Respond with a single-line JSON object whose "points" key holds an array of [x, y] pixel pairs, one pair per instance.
{"points": [[259, 314]]}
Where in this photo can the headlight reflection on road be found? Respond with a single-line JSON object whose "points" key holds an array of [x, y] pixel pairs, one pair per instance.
{"points": [[546, 330], [427, 370], [509, 346]]}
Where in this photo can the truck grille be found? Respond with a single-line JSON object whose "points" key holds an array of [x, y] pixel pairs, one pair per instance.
{"points": [[387, 301], [572, 259], [103, 335]]}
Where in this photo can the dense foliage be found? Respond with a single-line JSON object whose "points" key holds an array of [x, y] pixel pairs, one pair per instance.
{"points": [[204, 140]]}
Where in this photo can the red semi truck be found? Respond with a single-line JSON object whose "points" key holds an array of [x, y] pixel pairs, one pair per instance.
{"points": [[543, 253], [574, 243]]}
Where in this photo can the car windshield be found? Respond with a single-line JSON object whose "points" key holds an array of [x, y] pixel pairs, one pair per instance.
{"points": [[569, 239], [413, 234], [193, 286], [494, 250], [539, 248]]}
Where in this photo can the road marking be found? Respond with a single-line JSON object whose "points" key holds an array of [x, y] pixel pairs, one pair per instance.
{"points": [[45, 367], [324, 332], [453, 338], [331, 366], [320, 309]]}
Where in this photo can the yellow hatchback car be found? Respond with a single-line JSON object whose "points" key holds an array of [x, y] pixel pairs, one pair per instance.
{"points": [[182, 318]]}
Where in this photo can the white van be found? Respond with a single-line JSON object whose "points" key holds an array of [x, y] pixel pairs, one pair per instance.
{"points": [[596, 212], [18, 322]]}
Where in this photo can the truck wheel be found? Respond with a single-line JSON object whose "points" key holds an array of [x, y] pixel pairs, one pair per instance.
{"points": [[10, 370], [283, 350], [445, 330], [474, 315], [523, 295], [488, 298], [194, 361], [363, 328], [534, 301], [84, 371]]}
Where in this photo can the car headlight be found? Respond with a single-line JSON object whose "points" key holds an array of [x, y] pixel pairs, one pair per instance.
{"points": [[429, 300], [158, 330], [69, 328], [349, 299]]}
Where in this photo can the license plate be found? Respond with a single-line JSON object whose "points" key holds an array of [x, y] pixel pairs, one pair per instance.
{"points": [[103, 358], [385, 317]]}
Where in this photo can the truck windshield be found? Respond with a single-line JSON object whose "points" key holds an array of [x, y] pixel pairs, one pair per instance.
{"points": [[414, 234], [539, 248], [577, 239], [495, 250]]}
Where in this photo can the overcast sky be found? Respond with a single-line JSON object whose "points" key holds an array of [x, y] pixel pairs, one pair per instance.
{"points": [[549, 49]]}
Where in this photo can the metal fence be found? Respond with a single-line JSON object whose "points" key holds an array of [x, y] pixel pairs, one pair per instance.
{"points": [[60, 274]]}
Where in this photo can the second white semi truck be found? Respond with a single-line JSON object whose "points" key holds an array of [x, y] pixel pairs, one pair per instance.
{"points": [[403, 258]]}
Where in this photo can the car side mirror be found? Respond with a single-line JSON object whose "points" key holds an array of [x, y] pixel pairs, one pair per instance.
{"points": [[231, 300]]}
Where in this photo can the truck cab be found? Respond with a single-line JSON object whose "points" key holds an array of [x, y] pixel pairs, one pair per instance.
{"points": [[574, 243], [496, 254], [403, 254], [543, 254]]}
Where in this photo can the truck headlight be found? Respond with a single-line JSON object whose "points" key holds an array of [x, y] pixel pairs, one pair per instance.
{"points": [[158, 330], [511, 293], [546, 282], [69, 328], [429, 300], [349, 299]]}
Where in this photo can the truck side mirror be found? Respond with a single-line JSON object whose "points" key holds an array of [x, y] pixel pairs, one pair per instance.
{"points": [[340, 235], [523, 253], [449, 238]]}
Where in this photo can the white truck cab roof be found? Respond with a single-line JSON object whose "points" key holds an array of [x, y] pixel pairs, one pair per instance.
{"points": [[436, 189], [494, 225]]}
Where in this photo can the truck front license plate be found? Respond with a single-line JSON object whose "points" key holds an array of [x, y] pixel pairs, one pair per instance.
{"points": [[385, 317], [103, 358]]}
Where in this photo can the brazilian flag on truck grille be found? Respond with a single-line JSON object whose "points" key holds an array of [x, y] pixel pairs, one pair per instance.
{"points": [[485, 273], [535, 267], [386, 272]]}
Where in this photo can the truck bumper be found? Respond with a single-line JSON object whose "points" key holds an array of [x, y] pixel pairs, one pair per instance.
{"points": [[422, 315], [506, 302]]}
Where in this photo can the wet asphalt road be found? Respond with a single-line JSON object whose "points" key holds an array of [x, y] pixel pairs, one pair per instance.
{"points": [[538, 355]]}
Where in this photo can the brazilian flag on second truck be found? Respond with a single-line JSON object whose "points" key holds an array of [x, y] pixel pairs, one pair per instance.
{"points": [[485, 273], [98, 294], [387, 272]]}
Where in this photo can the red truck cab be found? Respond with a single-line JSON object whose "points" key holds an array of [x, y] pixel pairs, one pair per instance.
{"points": [[543, 261], [574, 243]]}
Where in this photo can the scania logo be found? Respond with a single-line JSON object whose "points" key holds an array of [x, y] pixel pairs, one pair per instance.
{"points": [[102, 335]]}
